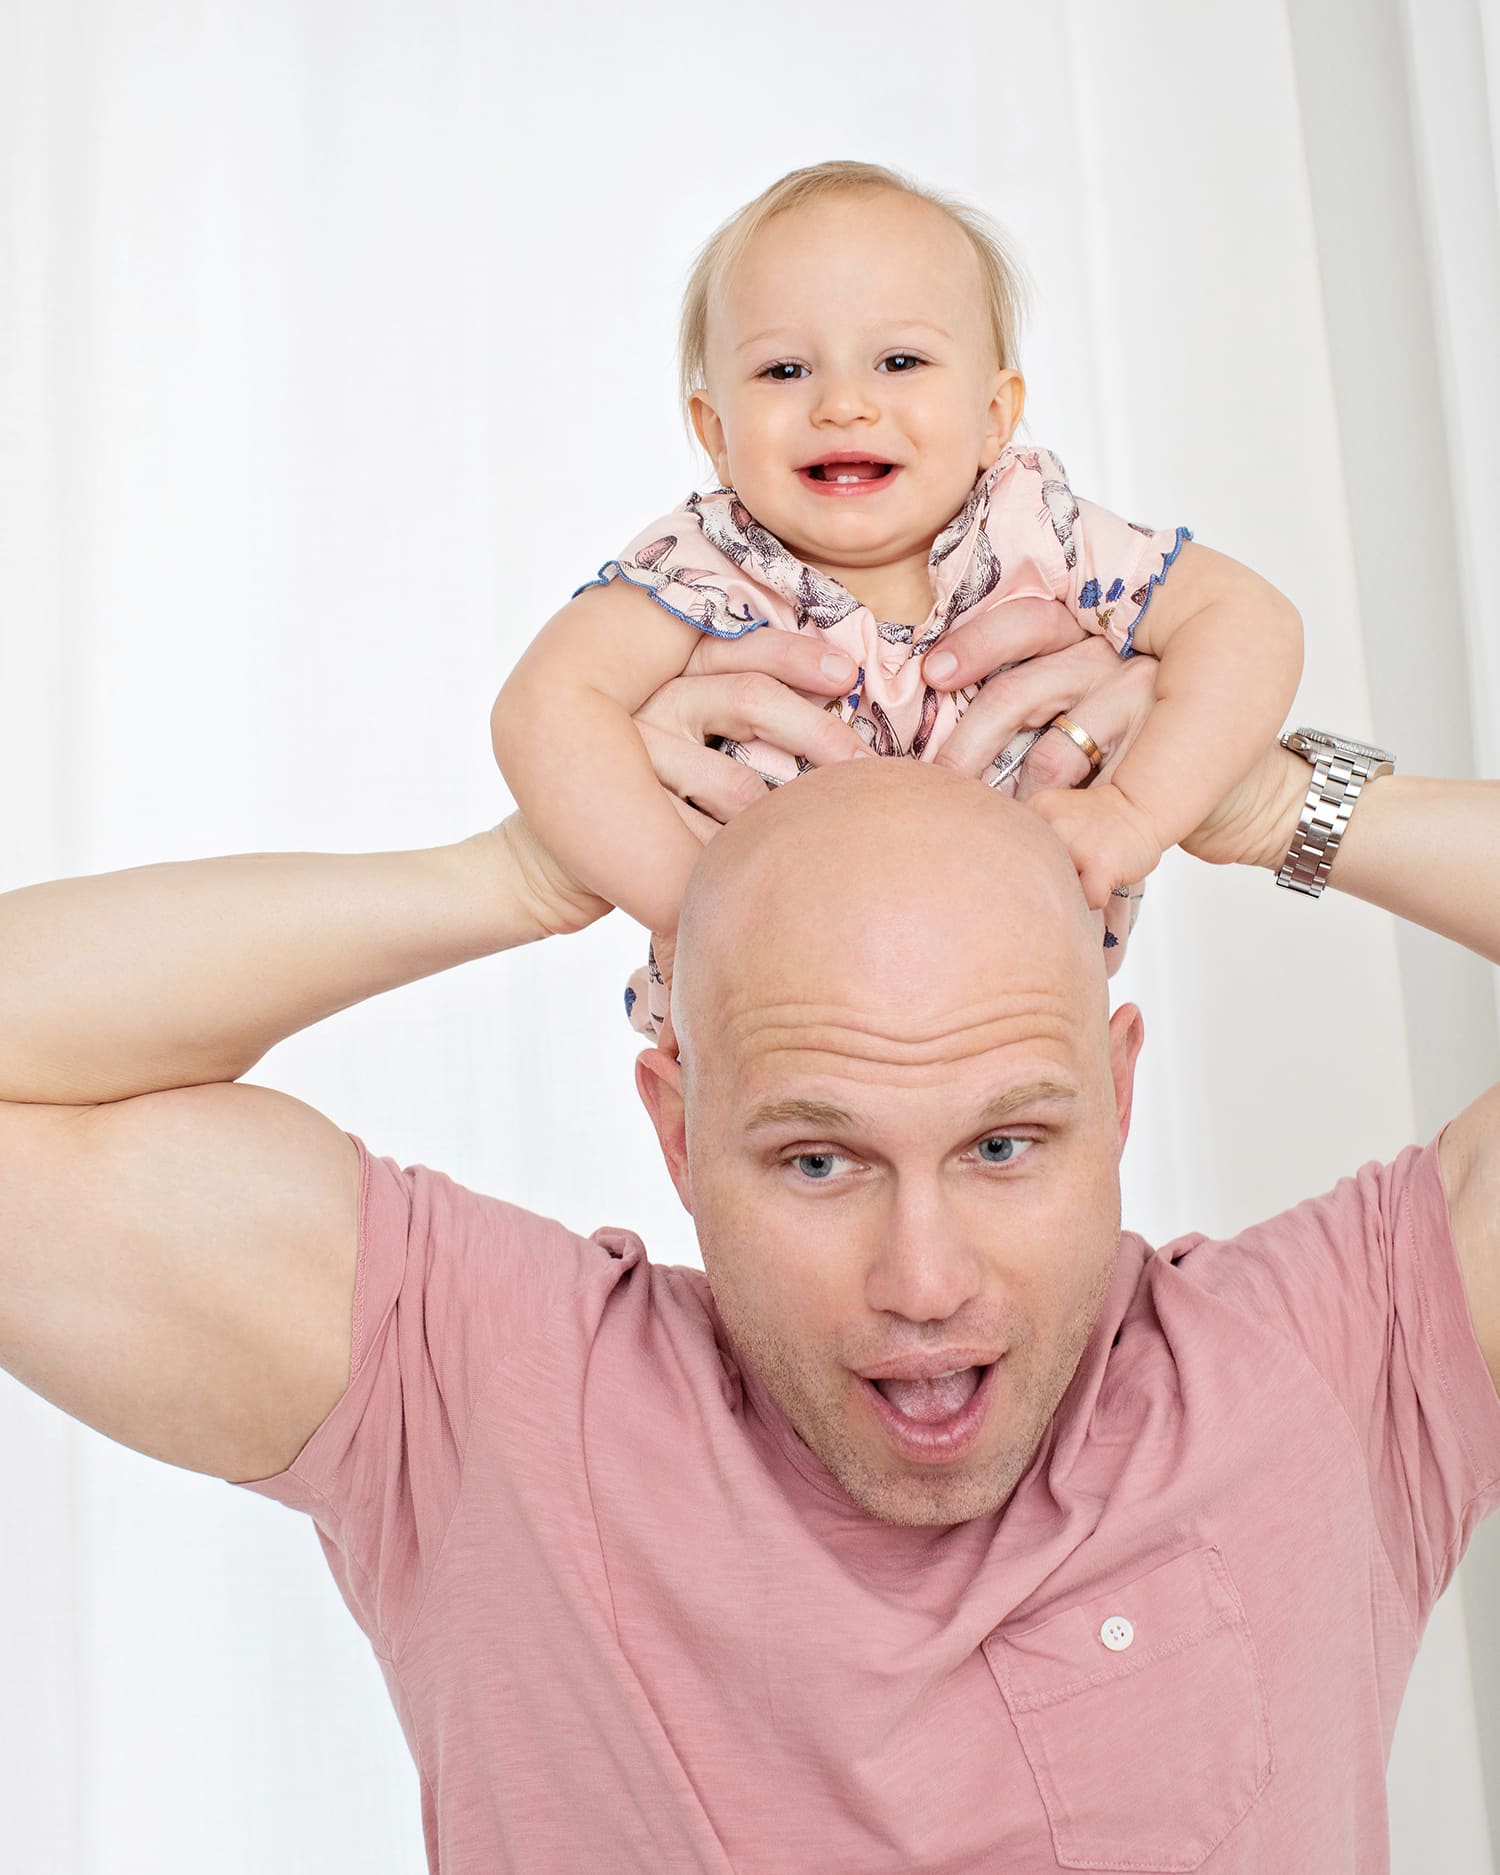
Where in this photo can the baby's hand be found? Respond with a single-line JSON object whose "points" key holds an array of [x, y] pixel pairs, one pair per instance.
{"points": [[1110, 840]]}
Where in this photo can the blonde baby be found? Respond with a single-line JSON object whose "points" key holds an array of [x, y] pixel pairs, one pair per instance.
{"points": [[849, 365]]}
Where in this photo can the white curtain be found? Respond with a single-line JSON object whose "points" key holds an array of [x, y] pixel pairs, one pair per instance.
{"points": [[336, 350]]}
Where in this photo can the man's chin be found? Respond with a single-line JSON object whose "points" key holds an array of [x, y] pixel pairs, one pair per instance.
{"points": [[947, 1498]]}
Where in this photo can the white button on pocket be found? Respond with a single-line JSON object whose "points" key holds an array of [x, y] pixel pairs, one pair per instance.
{"points": [[1117, 1633]]}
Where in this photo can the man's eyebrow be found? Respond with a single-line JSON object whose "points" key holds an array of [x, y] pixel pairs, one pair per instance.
{"points": [[828, 1116], [819, 1115], [1030, 1094]]}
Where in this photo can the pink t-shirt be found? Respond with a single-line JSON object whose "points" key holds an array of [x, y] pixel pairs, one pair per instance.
{"points": [[630, 1623]]}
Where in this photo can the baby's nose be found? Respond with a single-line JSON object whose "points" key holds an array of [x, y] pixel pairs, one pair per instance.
{"points": [[844, 398]]}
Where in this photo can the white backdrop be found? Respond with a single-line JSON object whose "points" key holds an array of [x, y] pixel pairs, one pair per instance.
{"points": [[336, 350]]}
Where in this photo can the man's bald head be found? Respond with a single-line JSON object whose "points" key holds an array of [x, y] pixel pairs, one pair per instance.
{"points": [[897, 876]]}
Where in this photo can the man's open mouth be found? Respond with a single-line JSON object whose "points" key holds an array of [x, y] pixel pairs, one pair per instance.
{"points": [[930, 1402], [936, 1417]]}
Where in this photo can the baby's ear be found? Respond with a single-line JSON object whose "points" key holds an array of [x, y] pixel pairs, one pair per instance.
{"points": [[1007, 401], [710, 432]]}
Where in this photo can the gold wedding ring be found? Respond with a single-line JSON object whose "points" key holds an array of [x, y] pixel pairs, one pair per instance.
{"points": [[1082, 740]]}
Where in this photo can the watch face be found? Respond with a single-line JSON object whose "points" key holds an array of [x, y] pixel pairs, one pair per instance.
{"points": [[1315, 742]]}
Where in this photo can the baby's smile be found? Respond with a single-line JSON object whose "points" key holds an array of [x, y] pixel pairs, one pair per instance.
{"points": [[844, 472]]}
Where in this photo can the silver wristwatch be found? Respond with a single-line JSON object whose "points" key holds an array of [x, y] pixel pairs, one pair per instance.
{"points": [[1340, 769]]}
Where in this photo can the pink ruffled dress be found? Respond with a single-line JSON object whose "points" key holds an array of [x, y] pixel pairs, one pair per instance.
{"points": [[1022, 534]]}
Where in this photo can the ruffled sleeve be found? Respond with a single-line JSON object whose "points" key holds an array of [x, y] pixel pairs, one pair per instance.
{"points": [[688, 576], [1104, 569]]}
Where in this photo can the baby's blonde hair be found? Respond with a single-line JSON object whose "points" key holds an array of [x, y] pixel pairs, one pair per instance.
{"points": [[1003, 286]]}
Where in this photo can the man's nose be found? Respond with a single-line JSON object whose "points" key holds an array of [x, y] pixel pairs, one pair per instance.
{"points": [[924, 1266], [844, 397]]}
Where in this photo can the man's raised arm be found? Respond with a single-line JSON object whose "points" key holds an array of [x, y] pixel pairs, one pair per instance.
{"points": [[177, 1252], [1429, 851], [172, 976]]}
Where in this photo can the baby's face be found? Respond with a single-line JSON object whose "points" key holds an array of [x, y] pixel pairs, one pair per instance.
{"points": [[855, 327]]}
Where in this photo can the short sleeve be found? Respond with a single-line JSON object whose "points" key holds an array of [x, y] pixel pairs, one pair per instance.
{"points": [[1104, 569], [448, 1284], [688, 576], [1366, 1281]]}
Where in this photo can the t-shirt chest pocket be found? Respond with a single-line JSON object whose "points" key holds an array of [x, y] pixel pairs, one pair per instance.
{"points": [[1143, 1716]]}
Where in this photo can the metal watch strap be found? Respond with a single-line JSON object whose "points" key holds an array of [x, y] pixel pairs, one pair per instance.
{"points": [[1338, 775]]}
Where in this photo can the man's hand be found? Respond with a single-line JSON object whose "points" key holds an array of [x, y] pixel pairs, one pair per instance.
{"points": [[1035, 662], [765, 686]]}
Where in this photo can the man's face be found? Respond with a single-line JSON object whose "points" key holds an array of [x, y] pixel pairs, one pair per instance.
{"points": [[901, 1155]]}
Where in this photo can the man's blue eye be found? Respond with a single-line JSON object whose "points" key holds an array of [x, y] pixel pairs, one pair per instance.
{"points": [[1005, 1148], [815, 1165], [774, 372]]}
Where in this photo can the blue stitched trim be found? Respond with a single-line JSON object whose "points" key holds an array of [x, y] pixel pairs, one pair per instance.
{"points": [[1127, 649], [613, 567]]}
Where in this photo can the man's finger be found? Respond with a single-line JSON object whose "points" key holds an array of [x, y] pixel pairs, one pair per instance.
{"points": [[1053, 761], [751, 706], [701, 826], [1007, 634], [1026, 698], [1111, 713], [808, 663], [716, 783]]}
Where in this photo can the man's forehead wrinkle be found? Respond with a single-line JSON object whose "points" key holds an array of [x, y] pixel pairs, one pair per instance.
{"points": [[759, 1032], [901, 1023]]}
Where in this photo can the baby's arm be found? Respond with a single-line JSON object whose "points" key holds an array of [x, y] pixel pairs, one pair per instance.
{"points": [[1230, 647], [574, 760]]}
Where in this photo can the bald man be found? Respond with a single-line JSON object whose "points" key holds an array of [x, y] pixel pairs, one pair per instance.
{"points": [[935, 1524], [857, 1017]]}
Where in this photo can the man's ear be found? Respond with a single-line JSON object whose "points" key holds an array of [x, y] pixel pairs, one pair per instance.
{"points": [[709, 430], [1127, 1030], [658, 1080]]}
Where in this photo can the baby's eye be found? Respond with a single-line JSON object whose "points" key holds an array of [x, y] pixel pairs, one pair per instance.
{"points": [[900, 362], [784, 372], [1003, 1149]]}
